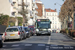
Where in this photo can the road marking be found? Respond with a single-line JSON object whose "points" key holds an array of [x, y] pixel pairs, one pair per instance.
{"points": [[4, 45], [66, 45], [41, 44], [47, 48], [54, 45], [49, 40], [28, 44], [15, 45]]}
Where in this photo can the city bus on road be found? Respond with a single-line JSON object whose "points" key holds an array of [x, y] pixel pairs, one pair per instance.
{"points": [[43, 26]]}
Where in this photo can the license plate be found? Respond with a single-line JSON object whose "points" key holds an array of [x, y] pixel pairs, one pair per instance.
{"points": [[12, 35], [43, 33]]}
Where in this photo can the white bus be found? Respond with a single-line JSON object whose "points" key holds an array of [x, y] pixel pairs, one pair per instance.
{"points": [[43, 26]]}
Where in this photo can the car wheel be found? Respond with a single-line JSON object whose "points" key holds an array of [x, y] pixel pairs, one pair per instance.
{"points": [[28, 35], [49, 34], [25, 37], [1, 45], [37, 34], [32, 34]]}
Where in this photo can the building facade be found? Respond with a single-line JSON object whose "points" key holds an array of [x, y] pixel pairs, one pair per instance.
{"points": [[40, 9], [5, 7], [53, 16]]}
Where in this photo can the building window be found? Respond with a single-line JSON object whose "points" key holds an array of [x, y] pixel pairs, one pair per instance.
{"points": [[53, 18], [55, 22], [52, 14], [13, 13], [47, 14]]}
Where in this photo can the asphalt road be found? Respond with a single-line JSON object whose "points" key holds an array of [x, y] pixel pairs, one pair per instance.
{"points": [[56, 41]]}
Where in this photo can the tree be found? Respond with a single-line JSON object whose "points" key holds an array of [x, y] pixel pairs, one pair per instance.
{"points": [[4, 19], [67, 10], [20, 20], [23, 12], [13, 19]]}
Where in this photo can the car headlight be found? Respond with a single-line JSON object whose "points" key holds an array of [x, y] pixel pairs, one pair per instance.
{"points": [[0, 37], [37, 30]]}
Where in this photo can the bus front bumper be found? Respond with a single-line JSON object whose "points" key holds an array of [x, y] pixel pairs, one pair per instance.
{"points": [[43, 32]]}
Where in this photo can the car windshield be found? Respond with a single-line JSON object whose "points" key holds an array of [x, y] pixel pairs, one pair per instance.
{"points": [[26, 29], [11, 29], [31, 28]]}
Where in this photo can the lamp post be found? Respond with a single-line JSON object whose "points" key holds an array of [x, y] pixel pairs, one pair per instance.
{"points": [[57, 3]]}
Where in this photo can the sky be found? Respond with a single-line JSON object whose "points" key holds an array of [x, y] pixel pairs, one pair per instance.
{"points": [[50, 4]]}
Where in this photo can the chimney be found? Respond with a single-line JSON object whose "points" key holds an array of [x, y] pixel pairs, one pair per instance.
{"points": [[55, 9]]}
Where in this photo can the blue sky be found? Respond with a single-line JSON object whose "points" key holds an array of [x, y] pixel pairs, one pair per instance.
{"points": [[50, 4]]}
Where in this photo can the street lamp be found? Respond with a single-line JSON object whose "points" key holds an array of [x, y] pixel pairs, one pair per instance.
{"points": [[57, 3]]}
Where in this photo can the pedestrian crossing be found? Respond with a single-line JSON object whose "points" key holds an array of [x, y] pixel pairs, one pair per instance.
{"points": [[46, 46]]}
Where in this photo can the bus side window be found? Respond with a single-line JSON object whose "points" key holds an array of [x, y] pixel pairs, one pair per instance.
{"points": [[37, 25]]}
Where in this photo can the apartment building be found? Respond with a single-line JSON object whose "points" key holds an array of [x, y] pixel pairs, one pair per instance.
{"points": [[40, 9], [53, 16], [34, 12], [28, 6], [9, 7], [12, 8], [5, 7]]}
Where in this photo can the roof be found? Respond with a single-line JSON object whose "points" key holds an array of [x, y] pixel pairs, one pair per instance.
{"points": [[50, 10]]}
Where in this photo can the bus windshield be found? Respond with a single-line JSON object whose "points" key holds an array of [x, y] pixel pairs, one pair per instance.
{"points": [[43, 24]]}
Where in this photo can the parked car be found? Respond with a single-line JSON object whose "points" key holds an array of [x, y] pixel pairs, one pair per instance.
{"points": [[28, 34], [13, 33], [1, 43], [32, 29], [24, 32]]}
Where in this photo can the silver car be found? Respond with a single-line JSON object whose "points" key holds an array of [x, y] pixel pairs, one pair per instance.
{"points": [[23, 32], [13, 33]]}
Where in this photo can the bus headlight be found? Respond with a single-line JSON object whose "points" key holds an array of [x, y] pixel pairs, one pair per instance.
{"points": [[49, 30], [37, 30]]}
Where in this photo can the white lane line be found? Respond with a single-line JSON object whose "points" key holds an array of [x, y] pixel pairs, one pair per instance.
{"points": [[15, 45], [28, 44], [49, 40], [47, 48], [53, 45], [67, 46], [41, 44]]}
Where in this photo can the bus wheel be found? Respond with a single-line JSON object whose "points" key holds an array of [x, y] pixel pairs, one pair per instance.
{"points": [[37, 34]]}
